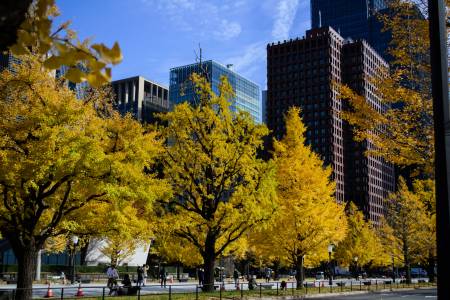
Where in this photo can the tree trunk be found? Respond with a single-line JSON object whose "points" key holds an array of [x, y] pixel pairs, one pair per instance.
{"points": [[430, 268], [114, 256], [209, 263], [209, 260], [299, 275], [276, 269], [84, 253], [26, 259], [407, 265]]}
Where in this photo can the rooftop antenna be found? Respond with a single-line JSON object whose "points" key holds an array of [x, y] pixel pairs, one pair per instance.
{"points": [[320, 19], [202, 69]]}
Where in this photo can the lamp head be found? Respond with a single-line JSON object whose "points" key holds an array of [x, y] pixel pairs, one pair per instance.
{"points": [[74, 239], [330, 248]]}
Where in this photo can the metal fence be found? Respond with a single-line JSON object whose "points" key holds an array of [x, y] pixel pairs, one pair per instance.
{"points": [[220, 291]]}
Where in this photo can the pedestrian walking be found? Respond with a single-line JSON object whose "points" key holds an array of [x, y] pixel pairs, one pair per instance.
{"points": [[112, 275], [63, 278], [268, 274], [140, 276], [163, 276], [145, 268], [236, 277], [201, 276]]}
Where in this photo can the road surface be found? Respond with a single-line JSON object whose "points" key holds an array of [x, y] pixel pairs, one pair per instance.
{"points": [[422, 294]]}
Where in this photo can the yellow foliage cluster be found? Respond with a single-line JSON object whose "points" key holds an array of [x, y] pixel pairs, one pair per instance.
{"points": [[409, 232], [308, 217], [362, 242], [221, 189], [35, 36], [402, 132], [65, 168]]}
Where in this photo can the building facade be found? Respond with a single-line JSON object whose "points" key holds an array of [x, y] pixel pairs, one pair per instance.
{"points": [[247, 93], [369, 179], [356, 19], [7, 60], [264, 106], [80, 89], [302, 73], [141, 97]]}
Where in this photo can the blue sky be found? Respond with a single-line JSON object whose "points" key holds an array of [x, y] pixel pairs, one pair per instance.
{"points": [[156, 35]]}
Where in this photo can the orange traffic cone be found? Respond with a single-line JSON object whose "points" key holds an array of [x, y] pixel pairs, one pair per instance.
{"points": [[49, 293], [79, 292]]}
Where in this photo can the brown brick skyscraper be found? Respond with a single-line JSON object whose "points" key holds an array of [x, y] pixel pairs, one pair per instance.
{"points": [[301, 73]]}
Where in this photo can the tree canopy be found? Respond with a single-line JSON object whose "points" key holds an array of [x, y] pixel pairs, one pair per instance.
{"points": [[221, 189], [361, 242], [62, 165], [402, 133], [407, 226], [308, 217]]}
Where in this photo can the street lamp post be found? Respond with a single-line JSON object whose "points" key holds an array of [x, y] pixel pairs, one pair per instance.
{"points": [[393, 269], [330, 250], [74, 251], [356, 266]]}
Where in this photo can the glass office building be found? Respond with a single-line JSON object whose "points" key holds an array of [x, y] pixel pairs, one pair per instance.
{"points": [[80, 89], [356, 19], [247, 92]]}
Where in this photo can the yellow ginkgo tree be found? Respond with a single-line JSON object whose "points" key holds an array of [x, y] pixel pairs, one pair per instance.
{"points": [[361, 245], [406, 227], [425, 191], [221, 189], [402, 133], [308, 218], [62, 165]]}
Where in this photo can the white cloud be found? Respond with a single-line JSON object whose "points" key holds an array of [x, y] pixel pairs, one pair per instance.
{"points": [[284, 18], [200, 16], [250, 60], [228, 30]]}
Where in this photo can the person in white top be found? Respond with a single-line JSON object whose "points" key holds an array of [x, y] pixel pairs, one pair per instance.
{"points": [[113, 275]]}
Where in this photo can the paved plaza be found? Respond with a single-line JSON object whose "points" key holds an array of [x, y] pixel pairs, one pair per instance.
{"points": [[396, 295], [98, 289]]}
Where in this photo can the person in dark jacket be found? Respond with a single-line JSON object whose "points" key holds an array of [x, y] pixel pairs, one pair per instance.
{"points": [[201, 276], [163, 276], [140, 276]]}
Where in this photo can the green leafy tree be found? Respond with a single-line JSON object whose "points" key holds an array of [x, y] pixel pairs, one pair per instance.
{"points": [[221, 189]]}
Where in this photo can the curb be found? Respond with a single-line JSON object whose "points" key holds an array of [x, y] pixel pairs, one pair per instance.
{"points": [[312, 296]]}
